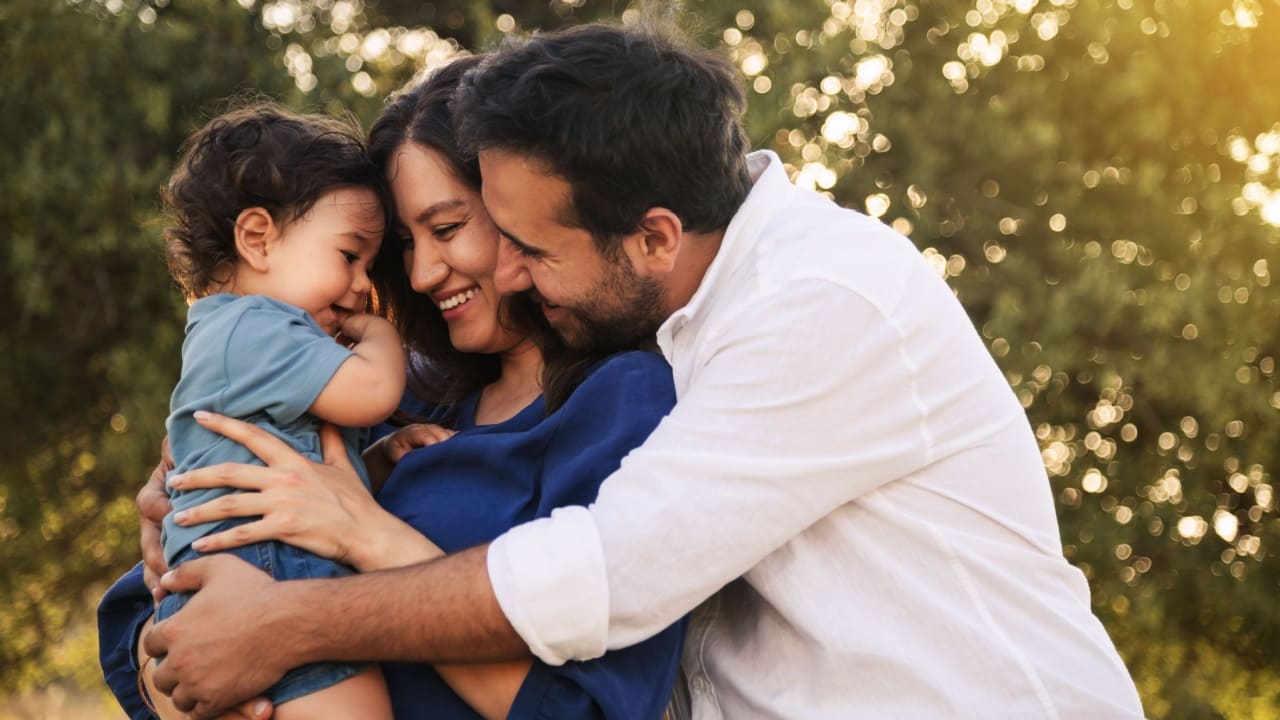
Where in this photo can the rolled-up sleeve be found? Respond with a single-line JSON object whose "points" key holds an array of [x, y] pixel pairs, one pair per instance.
{"points": [[126, 606], [530, 568]]}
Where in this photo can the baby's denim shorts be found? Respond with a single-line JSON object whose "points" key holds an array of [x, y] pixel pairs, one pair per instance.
{"points": [[282, 562]]}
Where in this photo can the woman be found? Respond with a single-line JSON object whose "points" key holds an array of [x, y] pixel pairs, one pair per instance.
{"points": [[526, 442]]}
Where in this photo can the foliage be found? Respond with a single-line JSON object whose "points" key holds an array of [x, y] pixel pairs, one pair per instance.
{"points": [[1096, 181]]}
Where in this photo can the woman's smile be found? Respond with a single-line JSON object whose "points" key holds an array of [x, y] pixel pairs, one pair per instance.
{"points": [[451, 301]]}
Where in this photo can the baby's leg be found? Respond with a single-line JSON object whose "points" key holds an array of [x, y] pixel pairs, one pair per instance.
{"points": [[356, 698]]}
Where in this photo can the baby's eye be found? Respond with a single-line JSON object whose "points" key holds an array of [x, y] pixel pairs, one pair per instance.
{"points": [[350, 257]]}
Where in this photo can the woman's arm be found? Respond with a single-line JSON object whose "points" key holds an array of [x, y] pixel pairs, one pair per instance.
{"points": [[121, 614], [490, 688]]}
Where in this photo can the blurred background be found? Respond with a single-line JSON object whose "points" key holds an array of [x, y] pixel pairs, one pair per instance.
{"points": [[1098, 180]]}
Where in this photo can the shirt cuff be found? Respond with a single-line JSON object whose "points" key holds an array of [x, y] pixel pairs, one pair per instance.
{"points": [[550, 581]]}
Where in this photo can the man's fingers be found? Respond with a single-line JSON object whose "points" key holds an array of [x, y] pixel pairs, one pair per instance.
{"points": [[267, 447], [182, 699], [335, 451], [156, 644], [189, 576]]}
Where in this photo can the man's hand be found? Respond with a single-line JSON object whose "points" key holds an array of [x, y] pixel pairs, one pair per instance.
{"points": [[219, 648], [162, 705], [153, 505]]}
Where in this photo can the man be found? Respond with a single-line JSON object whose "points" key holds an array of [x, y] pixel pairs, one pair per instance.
{"points": [[847, 489]]}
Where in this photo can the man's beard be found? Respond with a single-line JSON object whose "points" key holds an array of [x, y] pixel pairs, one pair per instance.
{"points": [[622, 312]]}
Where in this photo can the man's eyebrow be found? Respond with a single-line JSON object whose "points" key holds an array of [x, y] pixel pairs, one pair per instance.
{"points": [[436, 209], [511, 237]]}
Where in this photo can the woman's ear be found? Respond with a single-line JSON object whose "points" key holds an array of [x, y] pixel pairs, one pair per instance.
{"points": [[255, 230], [657, 243]]}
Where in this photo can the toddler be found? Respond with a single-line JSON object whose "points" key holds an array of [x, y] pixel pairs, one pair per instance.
{"points": [[277, 219]]}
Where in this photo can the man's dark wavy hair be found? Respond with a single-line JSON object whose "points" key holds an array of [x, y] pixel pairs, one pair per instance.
{"points": [[631, 117], [256, 155]]}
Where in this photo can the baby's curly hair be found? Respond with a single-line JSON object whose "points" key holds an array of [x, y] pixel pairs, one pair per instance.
{"points": [[258, 155]]}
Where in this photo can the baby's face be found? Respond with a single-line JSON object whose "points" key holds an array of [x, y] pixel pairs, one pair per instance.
{"points": [[321, 261]]}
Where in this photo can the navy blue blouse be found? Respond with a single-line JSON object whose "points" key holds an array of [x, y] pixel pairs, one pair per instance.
{"points": [[468, 490]]}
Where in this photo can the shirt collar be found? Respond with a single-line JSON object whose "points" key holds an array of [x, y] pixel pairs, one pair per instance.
{"points": [[769, 184]]}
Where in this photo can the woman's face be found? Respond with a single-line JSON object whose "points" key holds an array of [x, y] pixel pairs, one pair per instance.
{"points": [[451, 248]]}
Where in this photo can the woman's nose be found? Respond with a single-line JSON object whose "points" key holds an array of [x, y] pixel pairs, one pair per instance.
{"points": [[425, 266]]}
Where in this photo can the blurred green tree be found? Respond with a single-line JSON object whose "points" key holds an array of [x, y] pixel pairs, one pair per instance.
{"points": [[1098, 182]]}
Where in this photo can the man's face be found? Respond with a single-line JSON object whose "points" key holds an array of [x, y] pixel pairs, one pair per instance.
{"points": [[595, 302]]}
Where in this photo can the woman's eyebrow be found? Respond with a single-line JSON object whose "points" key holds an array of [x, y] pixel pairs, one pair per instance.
{"points": [[437, 208]]}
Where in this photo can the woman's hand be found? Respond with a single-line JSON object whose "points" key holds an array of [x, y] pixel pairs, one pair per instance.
{"points": [[321, 507]]}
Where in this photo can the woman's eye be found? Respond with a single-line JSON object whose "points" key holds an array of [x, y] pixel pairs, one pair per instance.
{"points": [[406, 242], [444, 231], [350, 256]]}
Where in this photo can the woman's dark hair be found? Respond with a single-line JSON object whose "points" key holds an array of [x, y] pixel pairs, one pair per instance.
{"points": [[257, 155], [422, 113], [631, 118]]}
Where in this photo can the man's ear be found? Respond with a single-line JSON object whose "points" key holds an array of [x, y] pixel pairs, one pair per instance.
{"points": [[255, 230], [656, 245]]}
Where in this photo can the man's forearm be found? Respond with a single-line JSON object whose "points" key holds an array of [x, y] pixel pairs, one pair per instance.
{"points": [[443, 610]]}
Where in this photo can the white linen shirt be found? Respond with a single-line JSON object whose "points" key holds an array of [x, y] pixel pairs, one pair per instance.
{"points": [[848, 482]]}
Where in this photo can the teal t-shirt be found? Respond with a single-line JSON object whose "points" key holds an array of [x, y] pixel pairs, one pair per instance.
{"points": [[256, 359]]}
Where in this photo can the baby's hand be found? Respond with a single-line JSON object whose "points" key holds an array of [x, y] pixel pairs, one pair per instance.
{"points": [[355, 328], [399, 443]]}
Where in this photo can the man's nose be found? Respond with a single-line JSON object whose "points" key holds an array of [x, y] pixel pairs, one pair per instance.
{"points": [[511, 275]]}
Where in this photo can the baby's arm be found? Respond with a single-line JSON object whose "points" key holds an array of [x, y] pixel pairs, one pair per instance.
{"points": [[382, 456], [367, 388]]}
